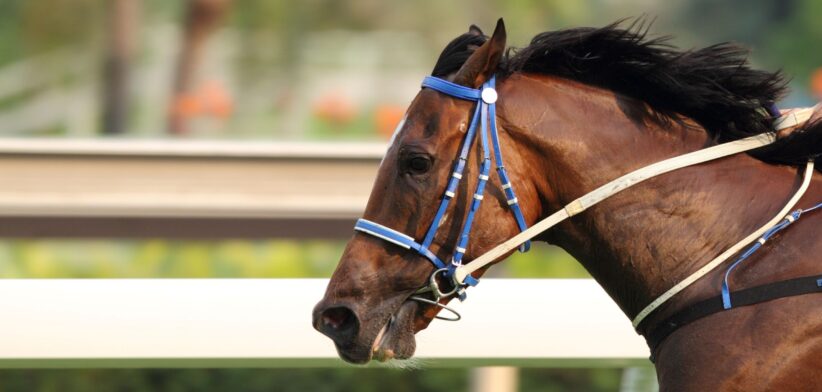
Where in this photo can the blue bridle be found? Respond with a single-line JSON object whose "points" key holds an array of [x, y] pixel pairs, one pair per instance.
{"points": [[485, 115]]}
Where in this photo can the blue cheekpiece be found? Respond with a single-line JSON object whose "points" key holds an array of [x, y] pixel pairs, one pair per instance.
{"points": [[485, 115]]}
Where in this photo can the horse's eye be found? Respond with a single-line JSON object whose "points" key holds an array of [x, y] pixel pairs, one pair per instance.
{"points": [[419, 165]]}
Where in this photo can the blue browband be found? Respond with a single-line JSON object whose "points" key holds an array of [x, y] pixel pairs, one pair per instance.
{"points": [[485, 114]]}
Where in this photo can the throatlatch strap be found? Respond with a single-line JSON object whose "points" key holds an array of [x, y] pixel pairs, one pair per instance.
{"points": [[746, 297]]}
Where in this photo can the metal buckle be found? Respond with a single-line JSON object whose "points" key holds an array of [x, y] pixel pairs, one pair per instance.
{"points": [[434, 288]]}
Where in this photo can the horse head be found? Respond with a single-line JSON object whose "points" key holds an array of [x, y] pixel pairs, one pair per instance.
{"points": [[367, 309]]}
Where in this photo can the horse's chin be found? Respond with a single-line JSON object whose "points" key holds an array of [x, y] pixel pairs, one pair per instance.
{"points": [[395, 339]]}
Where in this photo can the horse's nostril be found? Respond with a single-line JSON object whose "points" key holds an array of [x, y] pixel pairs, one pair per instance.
{"points": [[336, 317], [339, 323]]}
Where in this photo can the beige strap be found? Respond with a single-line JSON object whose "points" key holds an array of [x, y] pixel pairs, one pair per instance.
{"points": [[611, 188], [581, 204], [794, 117]]}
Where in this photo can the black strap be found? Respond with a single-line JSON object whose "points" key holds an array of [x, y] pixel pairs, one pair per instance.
{"points": [[746, 297]]}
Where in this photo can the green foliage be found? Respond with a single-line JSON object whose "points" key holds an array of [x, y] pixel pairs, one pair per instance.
{"points": [[781, 34], [45, 25], [167, 259], [559, 380], [55, 258], [10, 26], [795, 42], [360, 127], [543, 261]]}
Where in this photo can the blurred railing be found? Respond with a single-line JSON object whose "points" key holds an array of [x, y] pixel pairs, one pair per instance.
{"points": [[183, 189]]}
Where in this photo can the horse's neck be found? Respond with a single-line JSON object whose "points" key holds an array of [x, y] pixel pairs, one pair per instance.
{"points": [[643, 240]]}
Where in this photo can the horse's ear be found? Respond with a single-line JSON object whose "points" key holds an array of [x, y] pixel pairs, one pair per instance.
{"points": [[484, 61]]}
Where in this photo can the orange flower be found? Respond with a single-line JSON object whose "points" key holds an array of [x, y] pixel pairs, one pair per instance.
{"points": [[816, 83], [386, 118], [210, 98], [335, 107]]}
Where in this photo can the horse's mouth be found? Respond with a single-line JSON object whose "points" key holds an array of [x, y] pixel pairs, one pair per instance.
{"points": [[395, 340], [377, 351]]}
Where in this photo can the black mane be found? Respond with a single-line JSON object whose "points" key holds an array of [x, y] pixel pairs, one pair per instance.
{"points": [[457, 52], [715, 86]]}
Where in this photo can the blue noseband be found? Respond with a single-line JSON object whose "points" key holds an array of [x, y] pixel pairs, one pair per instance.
{"points": [[484, 114]]}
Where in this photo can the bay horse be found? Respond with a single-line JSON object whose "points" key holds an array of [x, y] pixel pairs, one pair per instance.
{"points": [[576, 109]]}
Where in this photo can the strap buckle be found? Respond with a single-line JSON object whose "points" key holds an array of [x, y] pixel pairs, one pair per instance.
{"points": [[434, 286]]}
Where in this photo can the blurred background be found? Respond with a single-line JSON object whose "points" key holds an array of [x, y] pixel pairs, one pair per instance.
{"points": [[295, 73]]}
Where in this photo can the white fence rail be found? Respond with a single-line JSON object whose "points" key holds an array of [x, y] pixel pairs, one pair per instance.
{"points": [[267, 322]]}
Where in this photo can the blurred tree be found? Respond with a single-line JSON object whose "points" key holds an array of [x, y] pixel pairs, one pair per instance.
{"points": [[753, 21], [122, 19], [794, 42], [781, 33], [10, 27], [49, 25], [202, 18]]}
